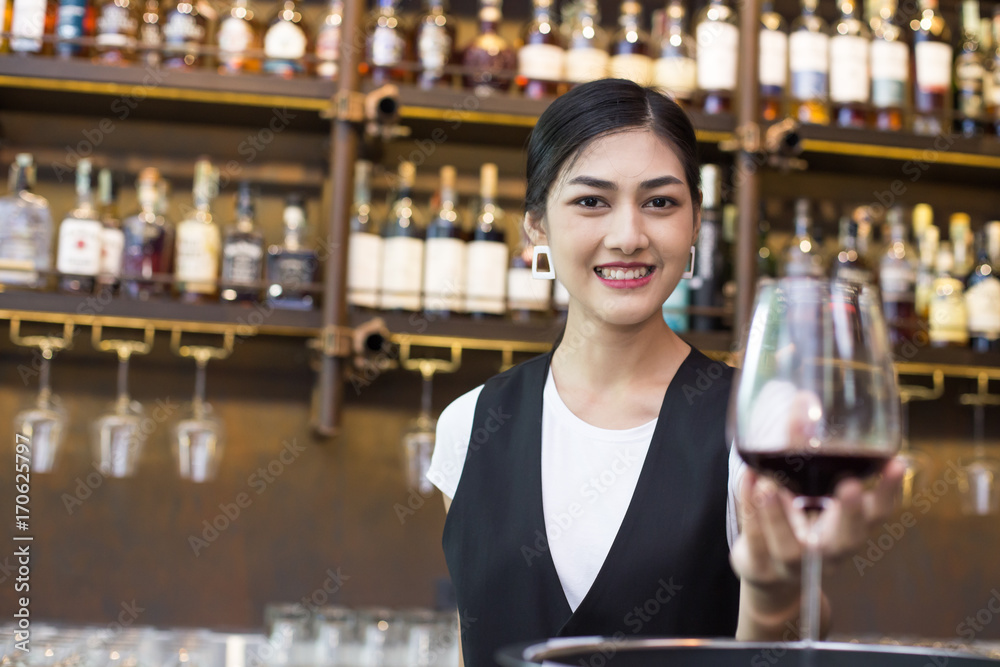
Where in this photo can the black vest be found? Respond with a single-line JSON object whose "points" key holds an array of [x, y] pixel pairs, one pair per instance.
{"points": [[667, 572]]}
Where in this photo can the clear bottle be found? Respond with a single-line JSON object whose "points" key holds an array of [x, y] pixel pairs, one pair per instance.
{"points": [[970, 112], [435, 45], [948, 316], [386, 49], [403, 248], [541, 60], [982, 301], [527, 298], [286, 42], [149, 243], [773, 65], [991, 83], [889, 56], [630, 52], [364, 257], [78, 251], [850, 82], [445, 254], [809, 64], [849, 264], [31, 22], [487, 254], [802, 257], [112, 236], [185, 31], [898, 280], [929, 242], [151, 34], [718, 37], [490, 58], [932, 82], [709, 267], [196, 269], [242, 252], [675, 71], [587, 50], [25, 229], [291, 267], [238, 38], [75, 20], [117, 31]]}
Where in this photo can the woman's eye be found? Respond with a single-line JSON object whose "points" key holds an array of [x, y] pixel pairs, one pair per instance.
{"points": [[661, 202], [589, 202]]}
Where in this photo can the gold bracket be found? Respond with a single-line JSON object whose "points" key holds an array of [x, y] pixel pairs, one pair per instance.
{"points": [[430, 366], [349, 106], [202, 353], [915, 392], [982, 395], [745, 138], [47, 344], [123, 347], [334, 341]]}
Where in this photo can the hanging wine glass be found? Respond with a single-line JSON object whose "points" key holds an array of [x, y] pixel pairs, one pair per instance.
{"points": [[118, 435], [980, 482], [43, 422], [816, 400], [198, 437], [915, 462]]}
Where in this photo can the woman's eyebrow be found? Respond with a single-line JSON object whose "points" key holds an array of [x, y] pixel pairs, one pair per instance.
{"points": [[660, 182], [602, 184]]}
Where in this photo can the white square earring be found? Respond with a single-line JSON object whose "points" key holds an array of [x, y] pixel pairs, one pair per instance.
{"points": [[689, 272], [535, 273]]}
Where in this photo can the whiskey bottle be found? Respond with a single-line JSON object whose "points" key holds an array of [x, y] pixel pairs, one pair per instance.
{"points": [[112, 236], [969, 118], [850, 82], [291, 268], [718, 37], [486, 268], [802, 257], [928, 242], [184, 33], [386, 45], [403, 248], [932, 82], [890, 68], [982, 301], [630, 52], [239, 39], [541, 59], [78, 252], [25, 229], [948, 315], [527, 298], [898, 280], [197, 259], [444, 254], [117, 31], [31, 22], [675, 71], [435, 40], [149, 236], [74, 21], [773, 65], [809, 63], [242, 252], [710, 252], [286, 42], [328, 40], [364, 257], [587, 52], [489, 58], [151, 34]]}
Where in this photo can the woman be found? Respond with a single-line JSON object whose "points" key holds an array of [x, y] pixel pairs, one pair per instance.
{"points": [[591, 491]]}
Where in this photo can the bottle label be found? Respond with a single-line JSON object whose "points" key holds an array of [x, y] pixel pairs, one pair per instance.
{"points": [[27, 26], [541, 62], [242, 261], [809, 60], [948, 316], [197, 254], [79, 250], [897, 281], [524, 292], [933, 61], [69, 24], [150, 36], [387, 47], [773, 58], [116, 27], [182, 29], [849, 69], [586, 64], [444, 274], [364, 269], [112, 247], [486, 275], [890, 70], [982, 302], [285, 41], [676, 76], [991, 88], [434, 47], [328, 50], [402, 269], [717, 45], [969, 75], [235, 39], [631, 66]]}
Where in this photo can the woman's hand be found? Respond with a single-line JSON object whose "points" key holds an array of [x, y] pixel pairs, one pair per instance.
{"points": [[767, 555]]}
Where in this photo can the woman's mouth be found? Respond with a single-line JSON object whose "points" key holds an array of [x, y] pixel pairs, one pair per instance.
{"points": [[624, 277]]}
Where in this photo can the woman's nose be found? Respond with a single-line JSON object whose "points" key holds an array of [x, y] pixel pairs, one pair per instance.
{"points": [[626, 231]]}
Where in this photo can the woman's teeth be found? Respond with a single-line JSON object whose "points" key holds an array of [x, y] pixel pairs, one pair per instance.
{"points": [[622, 274]]}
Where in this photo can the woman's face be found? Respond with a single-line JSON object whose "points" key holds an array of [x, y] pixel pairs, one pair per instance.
{"points": [[620, 224]]}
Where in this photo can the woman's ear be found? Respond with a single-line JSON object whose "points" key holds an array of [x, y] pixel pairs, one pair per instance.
{"points": [[535, 230]]}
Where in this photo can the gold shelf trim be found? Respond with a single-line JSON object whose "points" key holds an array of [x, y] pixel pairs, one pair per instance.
{"points": [[902, 154], [949, 370], [463, 116]]}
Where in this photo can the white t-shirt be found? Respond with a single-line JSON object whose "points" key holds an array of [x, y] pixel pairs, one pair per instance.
{"points": [[588, 477]]}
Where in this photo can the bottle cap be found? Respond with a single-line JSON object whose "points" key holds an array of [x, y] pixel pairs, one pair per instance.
{"points": [[488, 177], [407, 174], [960, 220], [447, 177], [923, 217]]}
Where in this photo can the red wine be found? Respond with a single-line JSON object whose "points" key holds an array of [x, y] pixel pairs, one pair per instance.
{"points": [[813, 475]]}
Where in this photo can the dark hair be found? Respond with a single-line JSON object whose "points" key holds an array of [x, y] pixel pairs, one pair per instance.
{"points": [[595, 109]]}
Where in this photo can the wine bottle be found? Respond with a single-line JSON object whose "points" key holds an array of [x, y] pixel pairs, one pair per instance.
{"points": [[773, 64], [890, 69], [809, 62], [991, 84], [489, 57], [849, 265], [286, 42], [185, 31], [198, 242], [435, 40], [242, 252], [239, 40], [970, 110], [710, 253], [541, 61], [932, 82], [387, 44], [445, 254], [78, 254], [112, 236], [850, 82], [718, 38], [982, 301], [364, 256], [587, 54], [630, 50], [149, 242], [675, 71], [898, 280], [948, 316], [802, 257], [486, 268], [117, 31], [74, 21], [403, 248]]}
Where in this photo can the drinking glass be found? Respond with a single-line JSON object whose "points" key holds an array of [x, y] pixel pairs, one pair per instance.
{"points": [[418, 440], [336, 630], [287, 626], [383, 635], [980, 482], [816, 400]]}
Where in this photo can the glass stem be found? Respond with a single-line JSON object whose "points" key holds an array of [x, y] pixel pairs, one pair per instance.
{"points": [[198, 403], [122, 379], [44, 390], [426, 393], [812, 570]]}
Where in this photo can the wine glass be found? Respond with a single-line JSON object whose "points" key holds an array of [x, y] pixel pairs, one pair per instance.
{"points": [[816, 400], [418, 440], [979, 485]]}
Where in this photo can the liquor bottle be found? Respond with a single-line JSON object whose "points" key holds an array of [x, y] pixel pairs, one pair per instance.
{"points": [[960, 234], [112, 236], [675, 71], [710, 253], [849, 265], [364, 257], [890, 67], [948, 316], [932, 83], [239, 38], [25, 229], [850, 82], [809, 63], [527, 298], [489, 55], [898, 280], [802, 257], [117, 31], [291, 268], [242, 252], [149, 243], [435, 40], [587, 51], [151, 34], [403, 248], [444, 254], [541, 60], [982, 301], [184, 34], [969, 116], [286, 42], [718, 37], [74, 21], [386, 45], [31, 21], [929, 245], [196, 268], [78, 252], [991, 84], [328, 40], [773, 65], [630, 50], [486, 268]]}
